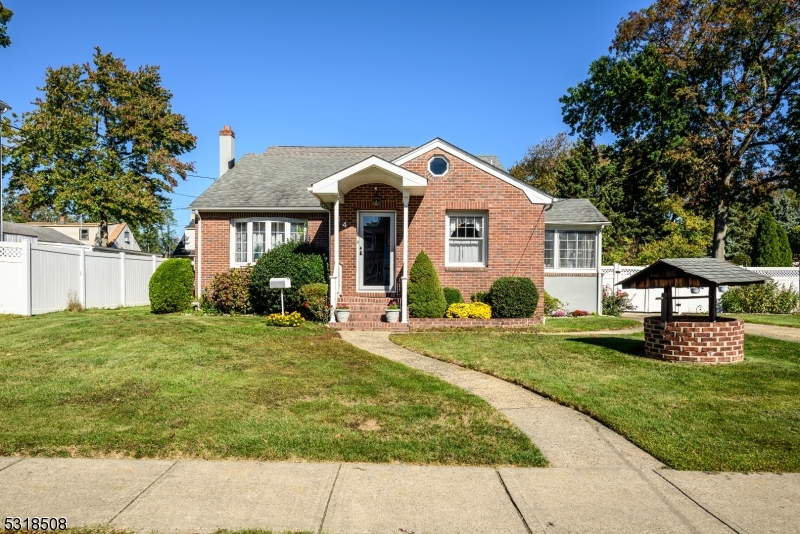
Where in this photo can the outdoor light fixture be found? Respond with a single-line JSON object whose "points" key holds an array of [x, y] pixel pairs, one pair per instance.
{"points": [[376, 200]]}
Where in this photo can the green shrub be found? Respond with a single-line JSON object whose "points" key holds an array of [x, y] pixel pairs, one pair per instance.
{"points": [[480, 296], [616, 302], [229, 292], [425, 295], [452, 295], [551, 303], [770, 245], [741, 258], [301, 262], [172, 286], [761, 298], [316, 301], [513, 297]]}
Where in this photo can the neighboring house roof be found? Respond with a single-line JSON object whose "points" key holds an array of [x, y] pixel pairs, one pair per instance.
{"points": [[280, 177], [572, 211], [45, 235], [692, 272], [190, 226], [117, 230]]}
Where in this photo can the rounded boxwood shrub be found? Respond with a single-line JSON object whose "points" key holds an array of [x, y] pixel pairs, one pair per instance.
{"points": [[452, 295], [513, 297], [302, 263], [172, 286], [425, 295]]}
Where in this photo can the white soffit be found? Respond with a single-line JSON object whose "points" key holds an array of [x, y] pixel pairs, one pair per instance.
{"points": [[375, 167], [534, 195]]}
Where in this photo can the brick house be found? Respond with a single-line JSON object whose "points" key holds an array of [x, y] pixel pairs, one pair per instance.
{"points": [[474, 220]]}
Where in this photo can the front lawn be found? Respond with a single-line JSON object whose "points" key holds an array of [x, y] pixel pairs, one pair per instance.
{"points": [[586, 324], [125, 383], [775, 320], [740, 417]]}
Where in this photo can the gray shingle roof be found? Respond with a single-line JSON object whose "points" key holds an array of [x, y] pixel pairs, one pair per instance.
{"points": [[574, 210], [45, 235], [280, 177], [683, 271]]}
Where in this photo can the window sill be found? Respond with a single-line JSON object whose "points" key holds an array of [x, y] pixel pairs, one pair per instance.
{"points": [[466, 268]]}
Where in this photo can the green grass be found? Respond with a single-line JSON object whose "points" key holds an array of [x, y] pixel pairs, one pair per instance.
{"points": [[126, 383], [739, 417], [586, 324], [775, 320]]}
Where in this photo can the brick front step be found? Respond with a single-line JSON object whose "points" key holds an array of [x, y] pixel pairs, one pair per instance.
{"points": [[382, 301], [369, 325]]}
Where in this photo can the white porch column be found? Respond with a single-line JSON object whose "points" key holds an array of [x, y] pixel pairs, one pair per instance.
{"points": [[404, 295], [335, 272], [599, 265]]}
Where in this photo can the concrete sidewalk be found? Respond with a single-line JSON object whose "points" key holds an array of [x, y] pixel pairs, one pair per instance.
{"points": [[202, 496]]}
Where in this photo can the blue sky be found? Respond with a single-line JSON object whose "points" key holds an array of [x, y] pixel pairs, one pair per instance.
{"points": [[484, 76]]}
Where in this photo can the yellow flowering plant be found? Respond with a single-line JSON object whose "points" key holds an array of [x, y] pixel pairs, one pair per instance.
{"points": [[290, 319]]}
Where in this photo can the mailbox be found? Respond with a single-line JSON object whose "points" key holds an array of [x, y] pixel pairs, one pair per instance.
{"points": [[280, 283]]}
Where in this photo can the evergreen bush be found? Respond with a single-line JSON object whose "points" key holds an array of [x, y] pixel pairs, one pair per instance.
{"points": [[425, 295], [513, 297], [452, 295], [770, 245], [172, 286], [480, 296], [301, 262]]}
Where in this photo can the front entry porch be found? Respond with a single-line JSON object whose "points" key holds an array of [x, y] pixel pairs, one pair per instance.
{"points": [[368, 227]]}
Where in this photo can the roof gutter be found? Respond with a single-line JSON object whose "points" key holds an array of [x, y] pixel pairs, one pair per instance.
{"points": [[260, 208]]}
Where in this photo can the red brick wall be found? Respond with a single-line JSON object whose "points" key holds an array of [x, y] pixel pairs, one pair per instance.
{"points": [[694, 340], [515, 226], [213, 236]]}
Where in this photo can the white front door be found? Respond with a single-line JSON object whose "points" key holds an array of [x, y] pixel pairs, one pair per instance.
{"points": [[375, 249]]}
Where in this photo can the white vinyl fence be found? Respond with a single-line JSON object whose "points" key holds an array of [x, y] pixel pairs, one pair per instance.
{"points": [[38, 278], [645, 299]]}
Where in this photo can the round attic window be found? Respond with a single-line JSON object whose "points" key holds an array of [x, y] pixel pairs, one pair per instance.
{"points": [[438, 165]]}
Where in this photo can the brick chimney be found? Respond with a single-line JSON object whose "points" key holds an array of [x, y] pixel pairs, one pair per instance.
{"points": [[227, 152]]}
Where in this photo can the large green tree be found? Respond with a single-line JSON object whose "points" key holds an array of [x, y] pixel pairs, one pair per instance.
{"points": [[709, 91], [158, 237], [622, 185], [5, 16], [103, 143]]}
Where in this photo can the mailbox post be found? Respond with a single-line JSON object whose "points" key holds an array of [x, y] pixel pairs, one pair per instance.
{"points": [[280, 283]]}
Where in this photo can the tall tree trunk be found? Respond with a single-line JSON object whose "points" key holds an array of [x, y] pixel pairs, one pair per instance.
{"points": [[103, 230], [721, 225]]}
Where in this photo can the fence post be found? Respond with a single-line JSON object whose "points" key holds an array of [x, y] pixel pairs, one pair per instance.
{"points": [[122, 278], [82, 277], [27, 305]]}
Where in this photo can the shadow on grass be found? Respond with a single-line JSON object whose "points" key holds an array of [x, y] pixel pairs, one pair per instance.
{"points": [[632, 347]]}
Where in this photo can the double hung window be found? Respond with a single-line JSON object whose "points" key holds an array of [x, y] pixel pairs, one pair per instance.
{"points": [[466, 239], [252, 238], [569, 249]]}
